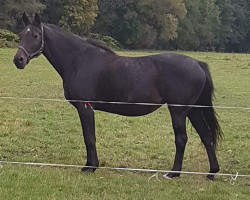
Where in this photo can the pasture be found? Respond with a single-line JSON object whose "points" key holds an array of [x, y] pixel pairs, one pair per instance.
{"points": [[50, 132]]}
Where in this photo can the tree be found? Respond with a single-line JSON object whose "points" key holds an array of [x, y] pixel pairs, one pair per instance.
{"points": [[11, 12], [227, 19], [240, 37], [54, 11], [160, 21], [79, 15], [107, 16], [200, 28], [140, 23]]}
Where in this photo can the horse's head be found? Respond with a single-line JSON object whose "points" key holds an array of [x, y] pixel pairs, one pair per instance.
{"points": [[32, 42]]}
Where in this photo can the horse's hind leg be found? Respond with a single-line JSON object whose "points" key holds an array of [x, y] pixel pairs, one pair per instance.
{"points": [[179, 125], [200, 125]]}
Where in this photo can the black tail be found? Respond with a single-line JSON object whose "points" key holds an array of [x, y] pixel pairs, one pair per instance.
{"points": [[206, 99]]}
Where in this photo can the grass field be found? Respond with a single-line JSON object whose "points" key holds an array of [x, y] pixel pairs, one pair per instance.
{"points": [[49, 132]]}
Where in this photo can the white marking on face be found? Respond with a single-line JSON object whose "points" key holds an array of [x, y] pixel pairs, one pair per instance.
{"points": [[28, 30]]}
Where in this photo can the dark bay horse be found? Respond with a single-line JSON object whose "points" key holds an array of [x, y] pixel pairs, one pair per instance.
{"points": [[92, 72]]}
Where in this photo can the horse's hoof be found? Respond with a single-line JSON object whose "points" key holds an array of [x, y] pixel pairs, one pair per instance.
{"points": [[210, 178], [88, 170], [171, 176]]}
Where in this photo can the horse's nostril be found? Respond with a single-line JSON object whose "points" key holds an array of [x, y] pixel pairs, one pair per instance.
{"points": [[20, 59]]}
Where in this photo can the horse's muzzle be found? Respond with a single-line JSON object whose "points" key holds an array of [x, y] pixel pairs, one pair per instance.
{"points": [[20, 60]]}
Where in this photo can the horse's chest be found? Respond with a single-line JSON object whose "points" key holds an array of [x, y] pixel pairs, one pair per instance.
{"points": [[76, 89]]}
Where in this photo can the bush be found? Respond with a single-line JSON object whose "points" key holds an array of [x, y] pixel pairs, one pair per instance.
{"points": [[8, 39], [107, 40]]}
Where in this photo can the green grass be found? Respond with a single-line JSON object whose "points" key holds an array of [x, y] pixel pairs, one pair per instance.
{"points": [[49, 132]]}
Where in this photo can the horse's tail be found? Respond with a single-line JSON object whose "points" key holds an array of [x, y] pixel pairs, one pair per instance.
{"points": [[206, 99]]}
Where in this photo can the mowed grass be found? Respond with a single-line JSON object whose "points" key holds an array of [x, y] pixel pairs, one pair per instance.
{"points": [[50, 132]]}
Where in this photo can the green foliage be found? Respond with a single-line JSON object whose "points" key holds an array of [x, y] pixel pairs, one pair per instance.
{"points": [[8, 39], [240, 38], [140, 23], [107, 40], [9, 36], [54, 11], [226, 26], [198, 31], [221, 25], [79, 15], [11, 12]]}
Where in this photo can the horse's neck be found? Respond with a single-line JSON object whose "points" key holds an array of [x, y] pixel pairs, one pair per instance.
{"points": [[58, 51]]}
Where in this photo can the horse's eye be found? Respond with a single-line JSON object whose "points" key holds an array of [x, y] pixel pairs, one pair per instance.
{"points": [[36, 35]]}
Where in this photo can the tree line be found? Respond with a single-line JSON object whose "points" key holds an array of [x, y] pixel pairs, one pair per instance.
{"points": [[196, 25]]}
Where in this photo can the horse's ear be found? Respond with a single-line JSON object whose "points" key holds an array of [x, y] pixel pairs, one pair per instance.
{"points": [[26, 20], [37, 19]]}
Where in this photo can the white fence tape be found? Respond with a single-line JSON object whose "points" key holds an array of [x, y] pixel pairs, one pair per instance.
{"points": [[125, 103]]}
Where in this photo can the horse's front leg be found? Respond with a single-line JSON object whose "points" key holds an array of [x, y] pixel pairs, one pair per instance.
{"points": [[87, 118]]}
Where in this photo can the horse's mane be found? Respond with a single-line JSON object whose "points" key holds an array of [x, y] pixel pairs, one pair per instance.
{"points": [[90, 41], [99, 45]]}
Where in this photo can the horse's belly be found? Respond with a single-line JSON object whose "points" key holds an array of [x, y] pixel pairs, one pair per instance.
{"points": [[127, 110]]}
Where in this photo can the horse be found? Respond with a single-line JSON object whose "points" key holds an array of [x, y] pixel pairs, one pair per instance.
{"points": [[92, 72]]}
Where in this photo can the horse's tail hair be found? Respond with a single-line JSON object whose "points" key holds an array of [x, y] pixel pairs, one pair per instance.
{"points": [[206, 99]]}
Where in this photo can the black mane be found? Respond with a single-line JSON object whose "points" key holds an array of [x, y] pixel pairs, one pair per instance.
{"points": [[90, 41], [99, 45]]}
